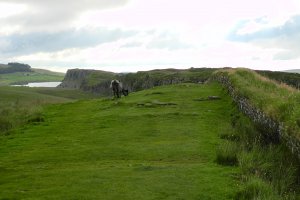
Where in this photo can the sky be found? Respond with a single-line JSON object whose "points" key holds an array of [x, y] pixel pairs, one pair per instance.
{"points": [[138, 35]]}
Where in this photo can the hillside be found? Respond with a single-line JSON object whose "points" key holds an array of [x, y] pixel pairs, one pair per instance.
{"points": [[22, 105], [179, 141], [289, 78], [154, 144], [97, 81], [19, 74], [293, 71], [14, 67]]}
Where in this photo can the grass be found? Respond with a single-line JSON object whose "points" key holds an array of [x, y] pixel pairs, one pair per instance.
{"points": [[268, 171], [278, 101], [105, 149], [257, 189], [227, 153], [37, 75], [21, 105]]}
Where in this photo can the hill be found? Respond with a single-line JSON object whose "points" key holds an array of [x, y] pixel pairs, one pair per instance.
{"points": [[14, 67], [293, 71], [19, 74], [98, 81]]}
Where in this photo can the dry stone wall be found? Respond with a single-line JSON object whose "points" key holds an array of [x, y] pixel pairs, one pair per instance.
{"points": [[271, 130]]}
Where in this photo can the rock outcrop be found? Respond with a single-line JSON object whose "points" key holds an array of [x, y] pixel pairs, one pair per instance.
{"points": [[75, 78]]}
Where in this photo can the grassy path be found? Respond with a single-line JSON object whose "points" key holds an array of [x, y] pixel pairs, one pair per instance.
{"points": [[154, 144]]}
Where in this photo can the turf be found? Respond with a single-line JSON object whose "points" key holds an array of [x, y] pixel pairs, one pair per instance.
{"points": [[154, 144]]}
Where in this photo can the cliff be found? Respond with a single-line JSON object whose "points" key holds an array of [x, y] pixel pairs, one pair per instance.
{"points": [[82, 78], [97, 81]]}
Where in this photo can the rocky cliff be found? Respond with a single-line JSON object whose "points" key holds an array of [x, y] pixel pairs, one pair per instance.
{"points": [[97, 81], [74, 78], [88, 80]]}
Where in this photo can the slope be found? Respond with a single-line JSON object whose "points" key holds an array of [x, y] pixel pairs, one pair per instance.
{"points": [[154, 144], [35, 75], [19, 105]]}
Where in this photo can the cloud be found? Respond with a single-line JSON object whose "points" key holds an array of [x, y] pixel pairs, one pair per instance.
{"points": [[167, 41], [23, 44], [291, 28], [285, 37], [45, 14], [287, 55]]}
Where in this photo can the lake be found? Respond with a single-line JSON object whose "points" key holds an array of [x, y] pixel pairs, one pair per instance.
{"points": [[41, 84]]}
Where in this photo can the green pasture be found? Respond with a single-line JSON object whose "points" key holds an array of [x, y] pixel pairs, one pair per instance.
{"points": [[154, 144]]}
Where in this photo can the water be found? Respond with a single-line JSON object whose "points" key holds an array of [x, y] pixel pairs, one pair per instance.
{"points": [[41, 84]]}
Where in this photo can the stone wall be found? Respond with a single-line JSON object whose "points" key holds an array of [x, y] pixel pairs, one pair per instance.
{"points": [[271, 130]]}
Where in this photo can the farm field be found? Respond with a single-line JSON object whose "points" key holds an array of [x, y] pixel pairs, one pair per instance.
{"points": [[154, 144]]}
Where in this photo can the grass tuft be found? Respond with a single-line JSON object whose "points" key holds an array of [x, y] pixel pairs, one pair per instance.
{"points": [[256, 189], [227, 154], [5, 125]]}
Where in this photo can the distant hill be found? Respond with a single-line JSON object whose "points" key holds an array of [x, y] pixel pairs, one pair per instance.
{"points": [[14, 67], [293, 71], [19, 74]]}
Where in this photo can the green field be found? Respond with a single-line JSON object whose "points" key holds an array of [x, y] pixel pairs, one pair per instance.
{"points": [[37, 75], [154, 144], [20, 105]]}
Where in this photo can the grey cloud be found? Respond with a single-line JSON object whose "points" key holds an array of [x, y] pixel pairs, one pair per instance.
{"points": [[45, 13], [285, 37], [23, 44], [69, 6]]}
